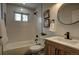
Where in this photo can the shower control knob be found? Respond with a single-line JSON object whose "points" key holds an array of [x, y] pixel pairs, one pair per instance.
{"points": [[0, 37], [36, 35]]}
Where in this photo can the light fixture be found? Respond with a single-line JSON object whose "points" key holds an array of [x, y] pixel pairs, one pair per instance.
{"points": [[21, 9]]}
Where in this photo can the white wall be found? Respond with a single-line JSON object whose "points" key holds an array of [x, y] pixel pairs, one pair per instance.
{"points": [[47, 6], [60, 29], [20, 31], [40, 19]]}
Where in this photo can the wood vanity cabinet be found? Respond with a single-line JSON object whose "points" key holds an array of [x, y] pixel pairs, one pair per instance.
{"points": [[53, 48]]}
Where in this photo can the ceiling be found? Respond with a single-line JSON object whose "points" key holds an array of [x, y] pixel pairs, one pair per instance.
{"points": [[32, 6], [27, 5]]}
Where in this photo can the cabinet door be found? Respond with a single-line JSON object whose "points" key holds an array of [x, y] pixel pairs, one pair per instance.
{"points": [[66, 52], [49, 48], [59, 51], [70, 53], [56, 51], [52, 50]]}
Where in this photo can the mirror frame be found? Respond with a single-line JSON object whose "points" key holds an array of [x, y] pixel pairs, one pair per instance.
{"points": [[58, 14]]}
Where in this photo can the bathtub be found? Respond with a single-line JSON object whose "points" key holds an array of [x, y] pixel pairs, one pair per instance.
{"points": [[10, 46]]}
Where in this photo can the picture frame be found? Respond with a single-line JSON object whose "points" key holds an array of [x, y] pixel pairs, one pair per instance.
{"points": [[47, 18], [47, 14]]}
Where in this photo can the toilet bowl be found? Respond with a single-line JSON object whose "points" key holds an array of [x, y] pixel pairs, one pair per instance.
{"points": [[36, 48]]}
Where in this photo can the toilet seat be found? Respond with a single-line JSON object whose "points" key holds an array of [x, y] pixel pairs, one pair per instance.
{"points": [[36, 48]]}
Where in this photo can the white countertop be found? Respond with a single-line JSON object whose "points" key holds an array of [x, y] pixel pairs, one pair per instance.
{"points": [[74, 43]]}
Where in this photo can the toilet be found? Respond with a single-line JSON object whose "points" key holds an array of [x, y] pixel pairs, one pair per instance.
{"points": [[36, 49]]}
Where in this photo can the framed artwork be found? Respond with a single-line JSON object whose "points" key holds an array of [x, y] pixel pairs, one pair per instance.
{"points": [[47, 18], [47, 14]]}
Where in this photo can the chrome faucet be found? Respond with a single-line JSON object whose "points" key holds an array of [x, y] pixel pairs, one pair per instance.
{"points": [[67, 35]]}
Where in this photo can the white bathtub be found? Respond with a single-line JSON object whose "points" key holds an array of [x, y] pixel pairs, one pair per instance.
{"points": [[10, 46]]}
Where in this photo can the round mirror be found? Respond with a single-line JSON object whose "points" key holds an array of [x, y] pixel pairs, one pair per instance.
{"points": [[68, 13]]}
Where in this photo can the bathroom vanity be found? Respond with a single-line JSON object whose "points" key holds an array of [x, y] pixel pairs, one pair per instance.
{"points": [[60, 46]]}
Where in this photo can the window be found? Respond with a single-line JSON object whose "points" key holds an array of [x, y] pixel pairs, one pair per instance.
{"points": [[17, 17], [21, 17], [25, 17]]}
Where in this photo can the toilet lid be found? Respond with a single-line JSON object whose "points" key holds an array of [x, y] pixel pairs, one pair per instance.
{"points": [[36, 47]]}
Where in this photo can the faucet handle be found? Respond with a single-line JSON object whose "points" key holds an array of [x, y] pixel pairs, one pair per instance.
{"points": [[36, 35], [65, 33]]}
